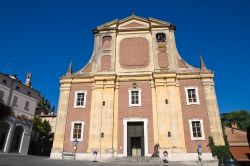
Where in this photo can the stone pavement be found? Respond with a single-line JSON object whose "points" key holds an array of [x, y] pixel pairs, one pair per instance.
{"points": [[27, 160]]}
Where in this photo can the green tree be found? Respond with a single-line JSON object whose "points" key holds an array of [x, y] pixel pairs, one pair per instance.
{"points": [[241, 118], [45, 104], [43, 146], [43, 127]]}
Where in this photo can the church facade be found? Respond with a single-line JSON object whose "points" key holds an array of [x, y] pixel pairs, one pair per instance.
{"points": [[135, 92]]}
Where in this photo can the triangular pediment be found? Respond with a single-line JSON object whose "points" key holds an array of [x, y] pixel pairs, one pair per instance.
{"points": [[133, 22], [111, 24], [157, 22]]}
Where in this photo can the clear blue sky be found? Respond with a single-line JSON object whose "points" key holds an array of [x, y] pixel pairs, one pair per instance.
{"points": [[42, 36]]}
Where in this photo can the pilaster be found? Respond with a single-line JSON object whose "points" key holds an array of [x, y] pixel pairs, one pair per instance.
{"points": [[155, 112], [175, 114], [61, 118], [168, 106], [163, 119], [115, 128], [102, 115], [213, 111]]}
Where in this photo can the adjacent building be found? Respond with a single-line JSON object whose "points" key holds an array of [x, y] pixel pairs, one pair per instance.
{"points": [[39, 145], [15, 130], [238, 143], [137, 91]]}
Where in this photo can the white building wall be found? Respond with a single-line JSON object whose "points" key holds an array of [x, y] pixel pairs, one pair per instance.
{"points": [[24, 93]]}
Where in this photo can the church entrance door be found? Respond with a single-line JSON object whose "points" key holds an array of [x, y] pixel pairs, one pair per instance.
{"points": [[135, 138]]}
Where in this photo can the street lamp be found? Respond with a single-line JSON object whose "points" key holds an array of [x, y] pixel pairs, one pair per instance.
{"points": [[75, 142]]}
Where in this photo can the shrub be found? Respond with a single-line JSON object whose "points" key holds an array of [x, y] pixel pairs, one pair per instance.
{"points": [[220, 151]]}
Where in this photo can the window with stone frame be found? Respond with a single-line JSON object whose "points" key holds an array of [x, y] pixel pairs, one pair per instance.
{"points": [[134, 97], [80, 99], [1, 95], [14, 102], [26, 107], [192, 96], [196, 129], [77, 131]]}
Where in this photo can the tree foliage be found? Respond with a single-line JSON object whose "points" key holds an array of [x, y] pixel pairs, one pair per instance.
{"points": [[241, 118], [45, 104], [43, 127]]}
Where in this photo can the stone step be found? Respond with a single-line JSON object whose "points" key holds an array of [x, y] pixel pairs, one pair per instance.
{"points": [[68, 155], [136, 159], [159, 161]]}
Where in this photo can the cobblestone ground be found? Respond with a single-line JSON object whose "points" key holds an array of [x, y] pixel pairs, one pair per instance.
{"points": [[27, 160]]}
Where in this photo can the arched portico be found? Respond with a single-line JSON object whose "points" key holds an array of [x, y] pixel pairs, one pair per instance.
{"points": [[4, 133], [17, 138]]}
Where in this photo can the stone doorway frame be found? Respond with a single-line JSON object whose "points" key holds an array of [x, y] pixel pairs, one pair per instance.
{"points": [[145, 128]]}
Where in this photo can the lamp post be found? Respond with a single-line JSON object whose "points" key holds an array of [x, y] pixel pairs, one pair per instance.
{"points": [[75, 142]]}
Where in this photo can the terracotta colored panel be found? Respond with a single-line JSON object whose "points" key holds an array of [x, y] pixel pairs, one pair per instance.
{"points": [[134, 53], [162, 60], [182, 64], [106, 42], [194, 112], [144, 111], [106, 62], [78, 114], [133, 24]]}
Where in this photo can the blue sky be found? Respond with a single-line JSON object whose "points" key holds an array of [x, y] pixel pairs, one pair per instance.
{"points": [[43, 36]]}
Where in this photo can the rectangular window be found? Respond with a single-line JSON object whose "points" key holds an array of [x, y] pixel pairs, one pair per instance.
{"points": [[1, 95], [134, 97], [17, 88], [196, 129], [80, 99], [77, 131], [4, 82], [26, 107], [14, 102], [192, 95]]}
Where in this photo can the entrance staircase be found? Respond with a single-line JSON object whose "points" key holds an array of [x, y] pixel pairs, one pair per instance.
{"points": [[155, 161], [137, 159]]}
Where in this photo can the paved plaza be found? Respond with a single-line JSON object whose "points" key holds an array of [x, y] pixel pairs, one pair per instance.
{"points": [[27, 160]]}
